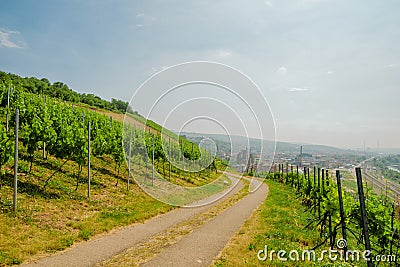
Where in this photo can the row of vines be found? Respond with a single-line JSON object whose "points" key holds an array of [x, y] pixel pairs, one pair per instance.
{"points": [[61, 130], [323, 198]]}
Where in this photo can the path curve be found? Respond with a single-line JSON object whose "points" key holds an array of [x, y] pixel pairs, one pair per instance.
{"points": [[205, 243], [100, 249]]}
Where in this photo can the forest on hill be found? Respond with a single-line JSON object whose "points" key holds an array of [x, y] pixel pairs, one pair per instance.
{"points": [[61, 91]]}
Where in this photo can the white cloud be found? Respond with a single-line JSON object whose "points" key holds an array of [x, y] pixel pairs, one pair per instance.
{"points": [[329, 72], [269, 3], [297, 89], [139, 25], [390, 66], [10, 39], [222, 53], [282, 71]]}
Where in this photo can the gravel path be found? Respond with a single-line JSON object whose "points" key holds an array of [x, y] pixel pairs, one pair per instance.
{"points": [[100, 249], [202, 245]]}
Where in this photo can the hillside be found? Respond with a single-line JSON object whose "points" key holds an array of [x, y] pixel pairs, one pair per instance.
{"points": [[58, 90], [54, 208], [241, 142]]}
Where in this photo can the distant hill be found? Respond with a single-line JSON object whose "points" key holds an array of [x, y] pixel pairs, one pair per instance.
{"points": [[392, 151], [240, 142]]}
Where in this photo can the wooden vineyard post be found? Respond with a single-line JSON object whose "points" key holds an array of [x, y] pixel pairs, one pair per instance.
{"points": [[314, 189], [392, 229], [169, 156], [331, 239], [363, 215], [152, 172], [291, 179], [327, 178], [129, 158], [342, 218], [323, 182], [88, 192], [193, 159], [315, 177], [287, 172], [7, 118], [297, 176], [209, 166], [183, 160], [8, 108], [319, 192], [16, 161], [307, 174], [279, 170], [44, 143], [283, 173], [145, 158]]}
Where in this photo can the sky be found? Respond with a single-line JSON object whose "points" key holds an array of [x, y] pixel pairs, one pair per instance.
{"points": [[330, 70]]}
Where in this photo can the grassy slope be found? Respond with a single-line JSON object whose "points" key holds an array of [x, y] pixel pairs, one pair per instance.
{"points": [[280, 224], [54, 217], [133, 119]]}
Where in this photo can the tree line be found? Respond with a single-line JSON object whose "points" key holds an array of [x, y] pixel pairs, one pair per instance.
{"points": [[61, 91]]}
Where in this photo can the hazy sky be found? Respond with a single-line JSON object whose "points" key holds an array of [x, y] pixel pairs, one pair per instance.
{"points": [[329, 69]]}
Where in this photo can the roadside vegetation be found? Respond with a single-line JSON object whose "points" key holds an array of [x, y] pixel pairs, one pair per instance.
{"points": [[54, 211], [286, 222]]}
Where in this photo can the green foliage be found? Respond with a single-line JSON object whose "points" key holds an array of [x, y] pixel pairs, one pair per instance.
{"points": [[57, 90], [8, 260], [85, 234], [64, 130], [323, 202], [382, 164], [6, 148]]}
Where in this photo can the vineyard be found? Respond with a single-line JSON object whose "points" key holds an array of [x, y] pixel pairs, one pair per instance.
{"points": [[61, 130], [64, 149], [77, 171], [367, 221]]}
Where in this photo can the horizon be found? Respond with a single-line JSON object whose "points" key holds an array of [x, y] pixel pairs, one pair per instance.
{"points": [[250, 137], [299, 143], [329, 73]]}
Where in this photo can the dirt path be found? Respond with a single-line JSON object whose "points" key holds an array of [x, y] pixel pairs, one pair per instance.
{"points": [[100, 249], [203, 244], [197, 248]]}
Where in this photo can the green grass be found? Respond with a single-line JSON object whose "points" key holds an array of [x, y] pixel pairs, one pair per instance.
{"points": [[280, 224], [349, 184], [153, 125], [348, 181], [54, 217]]}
